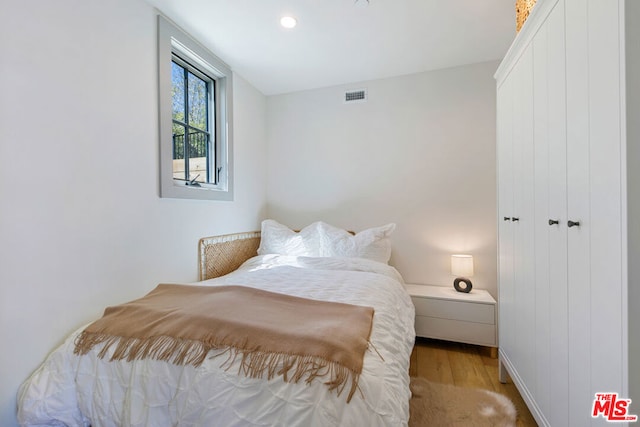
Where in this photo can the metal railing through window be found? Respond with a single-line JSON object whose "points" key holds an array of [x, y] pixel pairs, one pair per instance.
{"points": [[197, 145]]}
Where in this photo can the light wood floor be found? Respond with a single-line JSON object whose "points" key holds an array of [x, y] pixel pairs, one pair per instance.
{"points": [[465, 365]]}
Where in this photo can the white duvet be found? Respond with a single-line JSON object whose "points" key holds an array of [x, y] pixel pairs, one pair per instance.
{"points": [[85, 390]]}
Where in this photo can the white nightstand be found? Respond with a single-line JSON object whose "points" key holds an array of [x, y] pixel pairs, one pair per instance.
{"points": [[444, 313]]}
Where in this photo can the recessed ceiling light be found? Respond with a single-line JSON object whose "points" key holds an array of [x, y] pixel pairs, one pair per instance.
{"points": [[288, 21]]}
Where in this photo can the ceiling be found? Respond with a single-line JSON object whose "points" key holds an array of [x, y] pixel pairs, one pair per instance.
{"points": [[344, 41]]}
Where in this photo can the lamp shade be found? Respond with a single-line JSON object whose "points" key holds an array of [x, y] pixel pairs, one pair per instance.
{"points": [[462, 265]]}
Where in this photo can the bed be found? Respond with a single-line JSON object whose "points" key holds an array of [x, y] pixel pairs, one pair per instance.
{"points": [[320, 263]]}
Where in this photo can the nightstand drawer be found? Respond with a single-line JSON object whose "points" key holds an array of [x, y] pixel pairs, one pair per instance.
{"points": [[455, 310], [455, 330]]}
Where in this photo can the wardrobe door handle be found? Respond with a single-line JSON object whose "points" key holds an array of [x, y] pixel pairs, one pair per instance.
{"points": [[553, 221], [506, 218], [573, 224], [514, 219]]}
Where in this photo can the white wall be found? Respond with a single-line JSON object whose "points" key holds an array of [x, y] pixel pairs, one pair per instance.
{"points": [[632, 14], [420, 153], [81, 223]]}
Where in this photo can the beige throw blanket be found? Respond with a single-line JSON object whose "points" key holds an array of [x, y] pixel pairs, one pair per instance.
{"points": [[271, 334]]}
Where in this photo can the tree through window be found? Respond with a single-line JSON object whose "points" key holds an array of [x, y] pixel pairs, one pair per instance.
{"points": [[193, 144]]}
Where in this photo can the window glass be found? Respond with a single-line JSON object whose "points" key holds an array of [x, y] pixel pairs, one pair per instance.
{"points": [[191, 134], [177, 91], [198, 98]]}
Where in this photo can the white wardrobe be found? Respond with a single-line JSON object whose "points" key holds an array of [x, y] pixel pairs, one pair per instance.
{"points": [[568, 134]]}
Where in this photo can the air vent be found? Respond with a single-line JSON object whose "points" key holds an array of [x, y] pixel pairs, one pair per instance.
{"points": [[355, 95]]}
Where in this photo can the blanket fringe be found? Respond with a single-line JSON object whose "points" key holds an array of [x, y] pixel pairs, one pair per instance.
{"points": [[252, 363]]}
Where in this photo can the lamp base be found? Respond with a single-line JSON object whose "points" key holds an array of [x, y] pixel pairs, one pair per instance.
{"points": [[466, 288]]}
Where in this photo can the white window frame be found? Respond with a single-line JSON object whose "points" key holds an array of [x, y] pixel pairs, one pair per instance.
{"points": [[173, 40]]}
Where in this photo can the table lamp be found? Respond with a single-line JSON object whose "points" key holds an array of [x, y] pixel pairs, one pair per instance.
{"points": [[462, 267]]}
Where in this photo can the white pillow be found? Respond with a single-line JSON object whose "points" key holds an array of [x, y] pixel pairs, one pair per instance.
{"points": [[373, 243], [320, 239], [279, 239]]}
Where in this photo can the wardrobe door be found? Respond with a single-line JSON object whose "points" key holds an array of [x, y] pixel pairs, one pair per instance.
{"points": [[558, 367], [523, 201], [541, 228], [506, 328], [516, 198], [551, 352], [608, 353], [578, 201], [596, 359]]}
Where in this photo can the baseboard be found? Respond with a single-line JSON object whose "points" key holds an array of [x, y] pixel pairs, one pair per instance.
{"points": [[522, 388]]}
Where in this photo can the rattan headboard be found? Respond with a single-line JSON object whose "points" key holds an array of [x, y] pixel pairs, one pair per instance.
{"points": [[220, 255]]}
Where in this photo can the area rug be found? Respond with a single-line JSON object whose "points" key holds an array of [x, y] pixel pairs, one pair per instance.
{"points": [[445, 405]]}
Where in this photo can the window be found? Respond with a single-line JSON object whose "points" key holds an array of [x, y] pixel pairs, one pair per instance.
{"points": [[193, 148], [195, 118]]}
